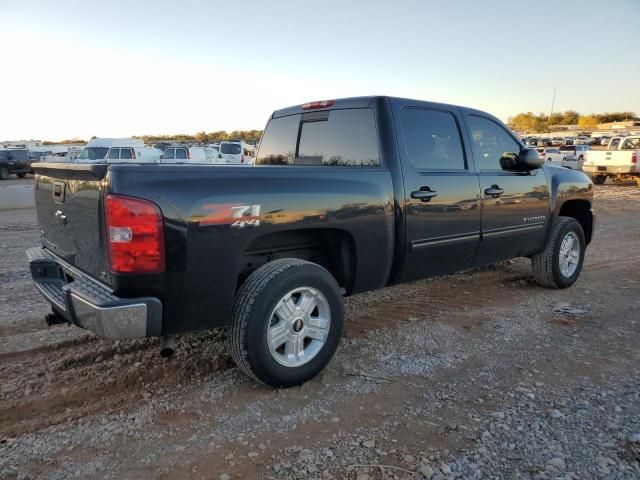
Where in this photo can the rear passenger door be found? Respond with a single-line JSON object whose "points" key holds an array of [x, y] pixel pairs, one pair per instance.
{"points": [[441, 192], [515, 205]]}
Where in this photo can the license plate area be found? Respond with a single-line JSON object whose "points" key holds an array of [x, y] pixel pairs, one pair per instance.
{"points": [[602, 169]]}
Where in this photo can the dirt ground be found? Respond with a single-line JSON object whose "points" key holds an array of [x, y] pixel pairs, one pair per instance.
{"points": [[476, 375]]}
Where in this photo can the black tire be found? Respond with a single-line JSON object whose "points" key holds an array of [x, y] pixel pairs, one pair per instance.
{"points": [[21, 175], [546, 264], [255, 301], [599, 179], [4, 173]]}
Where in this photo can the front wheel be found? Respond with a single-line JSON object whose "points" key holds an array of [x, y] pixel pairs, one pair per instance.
{"points": [[286, 322], [560, 263]]}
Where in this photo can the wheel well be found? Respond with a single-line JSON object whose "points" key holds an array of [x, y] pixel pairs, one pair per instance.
{"points": [[581, 211], [332, 249]]}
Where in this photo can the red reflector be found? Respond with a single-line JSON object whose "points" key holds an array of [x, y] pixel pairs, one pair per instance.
{"points": [[134, 235], [318, 104], [634, 157]]}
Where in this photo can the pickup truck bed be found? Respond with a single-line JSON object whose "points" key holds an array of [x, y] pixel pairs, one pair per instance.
{"points": [[346, 196]]}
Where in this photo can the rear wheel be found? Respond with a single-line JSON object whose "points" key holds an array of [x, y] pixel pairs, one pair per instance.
{"points": [[560, 263], [4, 173], [599, 179], [21, 175], [286, 323]]}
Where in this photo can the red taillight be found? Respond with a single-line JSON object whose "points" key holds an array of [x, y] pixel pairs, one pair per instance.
{"points": [[188, 154], [134, 235], [133, 154], [318, 104], [634, 157], [241, 158]]}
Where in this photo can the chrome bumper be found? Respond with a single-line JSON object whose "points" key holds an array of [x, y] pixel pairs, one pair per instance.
{"points": [[89, 304]]}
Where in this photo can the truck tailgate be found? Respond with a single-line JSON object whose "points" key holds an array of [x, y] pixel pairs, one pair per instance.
{"points": [[69, 205]]}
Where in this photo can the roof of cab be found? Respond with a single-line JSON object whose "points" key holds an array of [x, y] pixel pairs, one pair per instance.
{"points": [[364, 102]]}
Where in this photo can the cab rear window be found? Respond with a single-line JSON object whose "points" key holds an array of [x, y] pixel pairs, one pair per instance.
{"points": [[327, 138]]}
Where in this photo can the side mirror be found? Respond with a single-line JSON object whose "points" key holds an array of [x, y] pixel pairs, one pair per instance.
{"points": [[527, 160]]}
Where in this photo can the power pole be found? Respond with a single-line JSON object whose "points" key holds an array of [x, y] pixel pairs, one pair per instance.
{"points": [[553, 101]]}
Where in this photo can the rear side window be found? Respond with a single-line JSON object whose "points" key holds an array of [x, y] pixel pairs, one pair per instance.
{"points": [[333, 138], [125, 153], [631, 144], [19, 155], [181, 153], [114, 153], [614, 143], [432, 140], [169, 154], [230, 148]]}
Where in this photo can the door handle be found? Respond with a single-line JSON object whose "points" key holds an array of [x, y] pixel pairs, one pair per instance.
{"points": [[495, 191], [424, 194]]}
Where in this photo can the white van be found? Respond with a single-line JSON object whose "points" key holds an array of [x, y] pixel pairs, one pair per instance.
{"points": [[188, 155], [98, 148], [121, 154], [237, 152]]}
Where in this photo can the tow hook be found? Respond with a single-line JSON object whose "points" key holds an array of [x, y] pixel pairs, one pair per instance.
{"points": [[168, 346], [54, 318]]}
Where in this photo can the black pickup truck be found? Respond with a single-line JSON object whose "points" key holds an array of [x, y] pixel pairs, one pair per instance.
{"points": [[346, 196]]}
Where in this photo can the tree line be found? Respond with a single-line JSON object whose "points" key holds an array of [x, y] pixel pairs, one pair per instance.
{"points": [[531, 123], [249, 136]]}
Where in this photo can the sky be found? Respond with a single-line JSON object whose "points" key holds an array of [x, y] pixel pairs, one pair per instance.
{"points": [[75, 69]]}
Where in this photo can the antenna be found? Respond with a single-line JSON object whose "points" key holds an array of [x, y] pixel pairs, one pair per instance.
{"points": [[552, 102]]}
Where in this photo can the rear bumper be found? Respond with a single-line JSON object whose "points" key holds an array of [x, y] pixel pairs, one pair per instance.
{"points": [[90, 305], [610, 169]]}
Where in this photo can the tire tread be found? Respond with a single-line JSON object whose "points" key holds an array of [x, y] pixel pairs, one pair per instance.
{"points": [[245, 299]]}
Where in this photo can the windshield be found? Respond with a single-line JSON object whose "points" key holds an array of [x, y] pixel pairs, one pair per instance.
{"points": [[93, 153], [230, 148]]}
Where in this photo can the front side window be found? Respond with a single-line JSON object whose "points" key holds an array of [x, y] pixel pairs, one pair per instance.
{"points": [[614, 143], [125, 153], [432, 140], [169, 154], [490, 142], [114, 153]]}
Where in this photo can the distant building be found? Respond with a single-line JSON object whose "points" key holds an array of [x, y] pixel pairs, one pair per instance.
{"points": [[629, 124]]}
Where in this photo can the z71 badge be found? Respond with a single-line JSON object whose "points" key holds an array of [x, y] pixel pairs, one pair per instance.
{"points": [[246, 216]]}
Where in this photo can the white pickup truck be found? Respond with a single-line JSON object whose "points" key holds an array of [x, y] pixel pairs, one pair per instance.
{"points": [[618, 161]]}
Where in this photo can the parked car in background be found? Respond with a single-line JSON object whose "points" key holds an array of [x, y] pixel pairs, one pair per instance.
{"points": [[96, 150], [552, 155], [556, 142], [347, 196], [236, 152], [186, 154], [619, 161], [575, 155], [604, 141], [134, 155], [14, 161]]}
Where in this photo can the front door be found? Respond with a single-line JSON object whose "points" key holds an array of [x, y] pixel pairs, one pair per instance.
{"points": [[442, 193], [515, 205]]}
